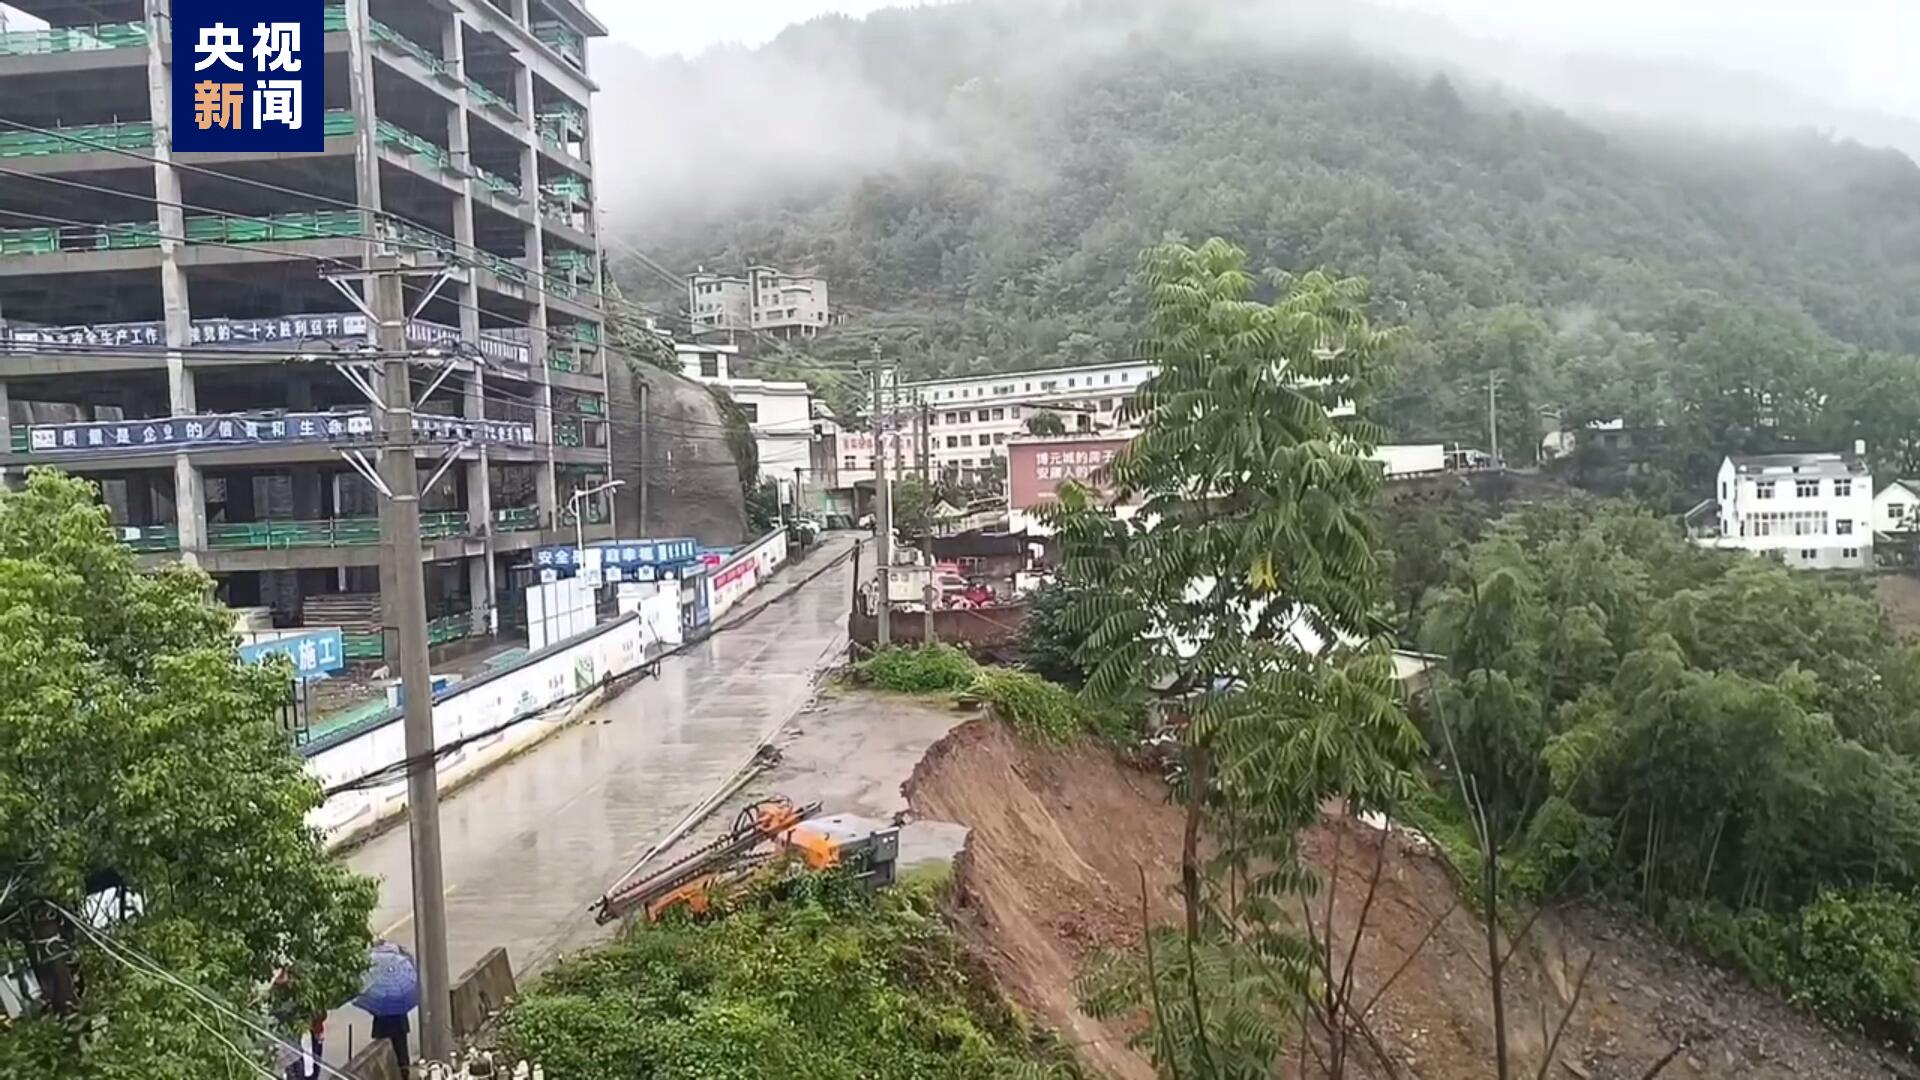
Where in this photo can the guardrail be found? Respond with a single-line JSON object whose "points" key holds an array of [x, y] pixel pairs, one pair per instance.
{"points": [[67, 39], [117, 135], [324, 532]]}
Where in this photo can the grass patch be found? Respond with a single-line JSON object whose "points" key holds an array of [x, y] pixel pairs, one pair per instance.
{"points": [[811, 977], [1031, 705], [929, 669]]}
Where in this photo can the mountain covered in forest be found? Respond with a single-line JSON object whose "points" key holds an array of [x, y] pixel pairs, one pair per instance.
{"points": [[977, 180]]}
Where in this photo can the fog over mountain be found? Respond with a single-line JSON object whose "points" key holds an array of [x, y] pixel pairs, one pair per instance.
{"points": [[692, 135]]}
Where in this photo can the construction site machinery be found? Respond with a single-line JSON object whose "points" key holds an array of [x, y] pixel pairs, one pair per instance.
{"points": [[764, 833]]}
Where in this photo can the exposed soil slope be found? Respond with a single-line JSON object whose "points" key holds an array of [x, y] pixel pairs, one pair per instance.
{"points": [[1053, 872]]}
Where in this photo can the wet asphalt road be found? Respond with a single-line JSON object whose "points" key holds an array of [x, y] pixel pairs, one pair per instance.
{"points": [[528, 847]]}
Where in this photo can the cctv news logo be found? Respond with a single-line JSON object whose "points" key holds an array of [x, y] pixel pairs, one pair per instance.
{"points": [[248, 75]]}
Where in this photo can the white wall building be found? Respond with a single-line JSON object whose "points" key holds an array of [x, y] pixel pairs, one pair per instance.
{"points": [[1897, 508], [1813, 511], [706, 363], [720, 302], [766, 299], [788, 305], [781, 412], [972, 417]]}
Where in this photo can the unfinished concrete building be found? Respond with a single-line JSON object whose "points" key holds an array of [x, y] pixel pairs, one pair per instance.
{"points": [[169, 329]]}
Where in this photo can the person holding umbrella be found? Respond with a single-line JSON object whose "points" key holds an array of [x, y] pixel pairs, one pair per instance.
{"points": [[388, 992]]}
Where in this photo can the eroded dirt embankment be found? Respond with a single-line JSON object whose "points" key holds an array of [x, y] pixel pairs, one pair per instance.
{"points": [[1064, 839]]}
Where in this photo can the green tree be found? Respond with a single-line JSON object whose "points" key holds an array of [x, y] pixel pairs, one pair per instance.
{"points": [[136, 749], [1046, 423], [913, 503], [1250, 603]]}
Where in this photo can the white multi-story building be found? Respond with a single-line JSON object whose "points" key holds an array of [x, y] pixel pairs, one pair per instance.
{"points": [[712, 364], [1896, 509], [781, 412], [1814, 511], [766, 300], [970, 418]]}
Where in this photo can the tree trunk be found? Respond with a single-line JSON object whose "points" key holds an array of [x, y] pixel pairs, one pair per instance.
{"points": [[48, 954], [1495, 969], [1199, 773]]}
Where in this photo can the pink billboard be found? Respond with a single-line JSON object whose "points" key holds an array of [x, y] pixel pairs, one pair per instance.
{"points": [[1039, 466]]}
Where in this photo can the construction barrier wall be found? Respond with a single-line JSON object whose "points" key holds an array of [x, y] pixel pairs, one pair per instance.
{"points": [[485, 708], [745, 570], [574, 667]]}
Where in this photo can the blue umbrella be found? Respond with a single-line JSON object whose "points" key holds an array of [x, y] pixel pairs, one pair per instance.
{"points": [[391, 986]]}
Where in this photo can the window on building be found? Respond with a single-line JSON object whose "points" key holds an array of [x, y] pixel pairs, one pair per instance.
{"points": [[1897, 511], [1850, 553], [999, 437], [953, 418], [1048, 384], [966, 463], [1015, 411], [999, 414], [709, 365], [1106, 404], [752, 411], [966, 440], [1071, 382], [1843, 489], [1723, 491], [1806, 489], [1126, 376], [1106, 380], [953, 442], [1843, 527], [1763, 489], [1806, 554], [847, 463], [1029, 388]]}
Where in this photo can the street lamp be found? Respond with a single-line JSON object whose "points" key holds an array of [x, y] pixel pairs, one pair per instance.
{"points": [[579, 520]]}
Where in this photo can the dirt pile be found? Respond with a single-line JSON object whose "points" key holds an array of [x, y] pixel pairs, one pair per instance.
{"points": [[1053, 872]]}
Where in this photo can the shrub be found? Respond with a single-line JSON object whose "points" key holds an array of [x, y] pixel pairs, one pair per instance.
{"points": [[928, 669], [1031, 705], [810, 977], [1848, 956]]}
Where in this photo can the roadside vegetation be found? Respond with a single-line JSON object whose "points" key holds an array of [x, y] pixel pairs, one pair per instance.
{"points": [[811, 977], [1721, 742], [154, 852], [1030, 704]]}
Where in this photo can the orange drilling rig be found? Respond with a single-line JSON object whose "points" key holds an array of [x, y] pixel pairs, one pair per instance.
{"points": [[764, 833]]}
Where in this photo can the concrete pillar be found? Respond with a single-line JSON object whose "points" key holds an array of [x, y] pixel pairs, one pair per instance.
{"points": [[189, 497], [6, 418], [480, 513], [480, 588], [365, 117]]}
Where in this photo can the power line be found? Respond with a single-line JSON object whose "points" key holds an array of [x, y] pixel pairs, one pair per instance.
{"points": [[130, 957], [451, 243]]}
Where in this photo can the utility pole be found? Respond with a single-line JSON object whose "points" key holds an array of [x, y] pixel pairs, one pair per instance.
{"points": [[929, 592], [403, 589], [926, 443], [1493, 418], [883, 504], [641, 378]]}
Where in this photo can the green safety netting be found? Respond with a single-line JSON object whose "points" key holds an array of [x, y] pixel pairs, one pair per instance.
{"points": [[62, 39]]}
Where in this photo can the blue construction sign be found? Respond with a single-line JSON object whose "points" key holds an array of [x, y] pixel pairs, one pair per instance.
{"points": [[314, 655]]}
